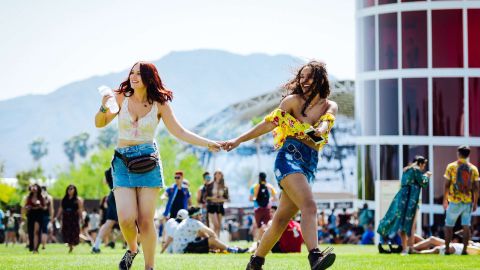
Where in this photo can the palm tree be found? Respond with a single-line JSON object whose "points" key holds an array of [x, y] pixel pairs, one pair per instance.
{"points": [[38, 148]]}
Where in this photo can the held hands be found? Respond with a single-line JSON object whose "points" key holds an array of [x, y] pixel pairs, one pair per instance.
{"points": [[214, 146], [428, 173], [225, 145], [230, 145]]}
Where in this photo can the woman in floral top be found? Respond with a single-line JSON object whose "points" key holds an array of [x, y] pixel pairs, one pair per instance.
{"points": [[306, 106], [401, 213]]}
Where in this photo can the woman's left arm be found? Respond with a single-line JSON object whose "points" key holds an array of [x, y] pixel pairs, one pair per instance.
{"points": [[177, 130], [323, 127]]}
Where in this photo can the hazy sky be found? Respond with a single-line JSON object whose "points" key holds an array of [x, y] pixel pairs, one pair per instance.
{"points": [[49, 43]]}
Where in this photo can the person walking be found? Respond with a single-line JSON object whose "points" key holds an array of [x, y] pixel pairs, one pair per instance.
{"points": [[70, 211], [34, 208], [143, 101], [300, 127]]}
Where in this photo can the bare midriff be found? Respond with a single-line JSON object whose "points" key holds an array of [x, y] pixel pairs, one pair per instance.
{"points": [[308, 142], [127, 143]]}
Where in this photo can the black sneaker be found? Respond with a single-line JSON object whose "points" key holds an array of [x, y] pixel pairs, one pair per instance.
{"points": [[255, 263], [111, 244], [95, 250], [320, 260], [127, 260]]}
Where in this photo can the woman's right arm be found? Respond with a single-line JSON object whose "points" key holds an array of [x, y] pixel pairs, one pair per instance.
{"points": [[59, 213], [261, 128], [103, 118]]}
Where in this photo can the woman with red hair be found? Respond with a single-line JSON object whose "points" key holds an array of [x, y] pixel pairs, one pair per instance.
{"points": [[136, 166]]}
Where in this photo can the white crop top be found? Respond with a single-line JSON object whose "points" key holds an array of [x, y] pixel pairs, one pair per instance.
{"points": [[141, 130]]}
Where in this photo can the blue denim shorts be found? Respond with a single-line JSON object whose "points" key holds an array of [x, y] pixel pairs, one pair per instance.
{"points": [[295, 157], [455, 210], [123, 178]]}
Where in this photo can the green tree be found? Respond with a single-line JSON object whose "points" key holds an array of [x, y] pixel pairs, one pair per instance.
{"points": [[77, 144], [87, 176], [107, 137], [69, 149], [9, 194], [81, 144], [38, 148], [25, 177], [174, 157]]}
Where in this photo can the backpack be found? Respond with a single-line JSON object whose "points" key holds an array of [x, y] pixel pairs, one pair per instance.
{"points": [[263, 196], [463, 184]]}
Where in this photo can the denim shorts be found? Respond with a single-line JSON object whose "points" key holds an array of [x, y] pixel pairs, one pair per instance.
{"points": [[295, 157], [123, 178], [455, 210]]}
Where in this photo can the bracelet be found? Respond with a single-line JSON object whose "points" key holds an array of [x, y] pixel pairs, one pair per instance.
{"points": [[103, 109]]}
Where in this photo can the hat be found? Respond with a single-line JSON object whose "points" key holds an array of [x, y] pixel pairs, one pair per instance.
{"points": [[182, 214]]}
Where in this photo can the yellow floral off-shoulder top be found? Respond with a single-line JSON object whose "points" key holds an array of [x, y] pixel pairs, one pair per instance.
{"points": [[287, 125]]}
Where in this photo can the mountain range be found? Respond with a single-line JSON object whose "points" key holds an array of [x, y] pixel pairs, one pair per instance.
{"points": [[204, 82]]}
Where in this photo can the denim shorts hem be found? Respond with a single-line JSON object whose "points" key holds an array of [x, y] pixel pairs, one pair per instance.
{"points": [[460, 211], [283, 176], [160, 187]]}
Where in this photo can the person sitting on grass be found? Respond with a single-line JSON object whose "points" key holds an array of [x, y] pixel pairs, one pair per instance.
{"points": [[170, 228], [435, 245], [290, 241], [192, 236]]}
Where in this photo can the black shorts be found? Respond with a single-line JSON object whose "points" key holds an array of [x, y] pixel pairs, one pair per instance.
{"points": [[112, 208], [200, 245], [215, 208]]}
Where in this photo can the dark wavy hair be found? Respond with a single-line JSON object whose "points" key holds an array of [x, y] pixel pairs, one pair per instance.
{"points": [[156, 91], [38, 193], [75, 193], [320, 86]]}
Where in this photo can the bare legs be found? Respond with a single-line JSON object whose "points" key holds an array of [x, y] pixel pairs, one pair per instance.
{"points": [[147, 198], [137, 205], [104, 231], [215, 222], [215, 243], [408, 240], [448, 238], [297, 195], [126, 201]]}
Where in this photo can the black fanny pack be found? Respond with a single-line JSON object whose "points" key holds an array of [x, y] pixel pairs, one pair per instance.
{"points": [[141, 164]]}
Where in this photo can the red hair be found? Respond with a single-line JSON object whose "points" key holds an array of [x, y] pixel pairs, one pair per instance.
{"points": [[156, 91]]}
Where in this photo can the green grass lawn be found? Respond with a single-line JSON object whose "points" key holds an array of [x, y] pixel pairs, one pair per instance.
{"points": [[349, 257]]}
